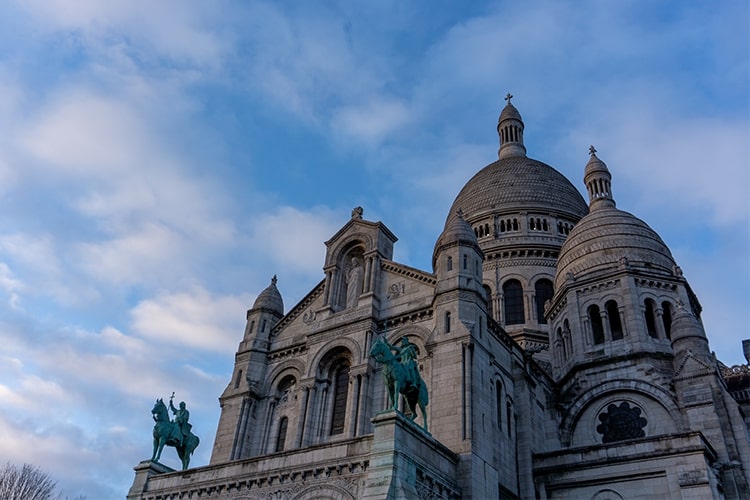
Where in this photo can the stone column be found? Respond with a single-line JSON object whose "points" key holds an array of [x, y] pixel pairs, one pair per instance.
{"points": [[309, 429], [367, 282], [353, 405], [302, 416], [605, 325]]}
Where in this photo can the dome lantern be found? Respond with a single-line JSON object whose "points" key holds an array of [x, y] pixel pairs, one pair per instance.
{"points": [[510, 131], [598, 182]]}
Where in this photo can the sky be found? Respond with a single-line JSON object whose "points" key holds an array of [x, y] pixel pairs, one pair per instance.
{"points": [[161, 161]]}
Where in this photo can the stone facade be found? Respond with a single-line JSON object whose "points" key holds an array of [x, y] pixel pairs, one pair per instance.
{"points": [[561, 345]]}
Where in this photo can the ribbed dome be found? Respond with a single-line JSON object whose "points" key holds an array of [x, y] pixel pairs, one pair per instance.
{"points": [[270, 298], [518, 183], [603, 238], [509, 112]]}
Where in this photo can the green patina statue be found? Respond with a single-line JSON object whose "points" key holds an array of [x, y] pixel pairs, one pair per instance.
{"points": [[401, 375], [175, 433]]}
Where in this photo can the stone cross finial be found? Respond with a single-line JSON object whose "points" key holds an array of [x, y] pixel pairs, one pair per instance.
{"points": [[508, 97], [460, 213], [592, 150], [357, 212], [274, 280]]}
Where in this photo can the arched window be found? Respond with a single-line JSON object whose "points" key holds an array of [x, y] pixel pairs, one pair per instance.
{"points": [[499, 404], [651, 318], [543, 291], [615, 325], [513, 301], [281, 436], [252, 327], [667, 318], [561, 342], [566, 337], [340, 392], [449, 263], [597, 329], [466, 261], [447, 321], [238, 380], [263, 326]]}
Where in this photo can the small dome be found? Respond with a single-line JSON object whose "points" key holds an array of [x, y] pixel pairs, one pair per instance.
{"points": [[609, 238], [595, 165], [270, 298], [456, 230], [509, 112]]}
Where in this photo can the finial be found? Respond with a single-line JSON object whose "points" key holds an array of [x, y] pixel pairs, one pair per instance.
{"points": [[460, 213], [508, 97], [592, 150], [274, 280], [357, 212]]}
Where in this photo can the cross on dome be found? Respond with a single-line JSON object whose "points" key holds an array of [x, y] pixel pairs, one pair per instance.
{"points": [[592, 150], [508, 97]]}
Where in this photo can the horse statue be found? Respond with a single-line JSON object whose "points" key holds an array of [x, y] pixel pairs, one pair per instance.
{"points": [[167, 432], [402, 376]]}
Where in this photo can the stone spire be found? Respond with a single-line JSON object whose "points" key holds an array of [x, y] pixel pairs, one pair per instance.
{"points": [[598, 182], [510, 131]]}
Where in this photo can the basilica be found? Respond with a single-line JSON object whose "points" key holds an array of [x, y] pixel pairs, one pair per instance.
{"points": [[561, 349]]}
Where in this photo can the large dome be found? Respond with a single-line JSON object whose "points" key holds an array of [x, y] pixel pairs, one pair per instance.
{"points": [[607, 238], [518, 183]]}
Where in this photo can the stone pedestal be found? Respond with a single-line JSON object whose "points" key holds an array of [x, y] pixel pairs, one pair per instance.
{"points": [[407, 462], [143, 471]]}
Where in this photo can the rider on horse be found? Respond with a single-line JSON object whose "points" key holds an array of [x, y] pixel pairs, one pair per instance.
{"points": [[406, 354], [181, 417]]}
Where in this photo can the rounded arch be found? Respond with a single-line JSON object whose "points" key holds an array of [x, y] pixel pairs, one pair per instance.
{"points": [[332, 351], [335, 348], [541, 275], [324, 492], [413, 332], [354, 240], [653, 393], [293, 367]]}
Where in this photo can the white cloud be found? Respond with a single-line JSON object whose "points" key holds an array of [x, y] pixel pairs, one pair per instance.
{"points": [[194, 319], [82, 133], [372, 121], [166, 30], [293, 239]]}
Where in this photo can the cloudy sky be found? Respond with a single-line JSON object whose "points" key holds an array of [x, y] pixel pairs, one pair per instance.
{"points": [[160, 161]]}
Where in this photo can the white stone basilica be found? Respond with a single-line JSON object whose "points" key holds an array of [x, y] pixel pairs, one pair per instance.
{"points": [[561, 346]]}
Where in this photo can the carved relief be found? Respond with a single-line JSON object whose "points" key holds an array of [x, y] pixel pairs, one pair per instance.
{"points": [[395, 290]]}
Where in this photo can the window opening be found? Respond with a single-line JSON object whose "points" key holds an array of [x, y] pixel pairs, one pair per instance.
{"points": [[544, 292], [597, 329], [340, 390], [650, 319], [281, 437], [513, 298], [615, 325]]}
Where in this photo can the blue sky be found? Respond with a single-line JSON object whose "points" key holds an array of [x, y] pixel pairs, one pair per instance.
{"points": [[160, 161]]}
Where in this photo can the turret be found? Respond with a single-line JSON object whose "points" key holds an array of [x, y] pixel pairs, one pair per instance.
{"points": [[510, 131]]}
